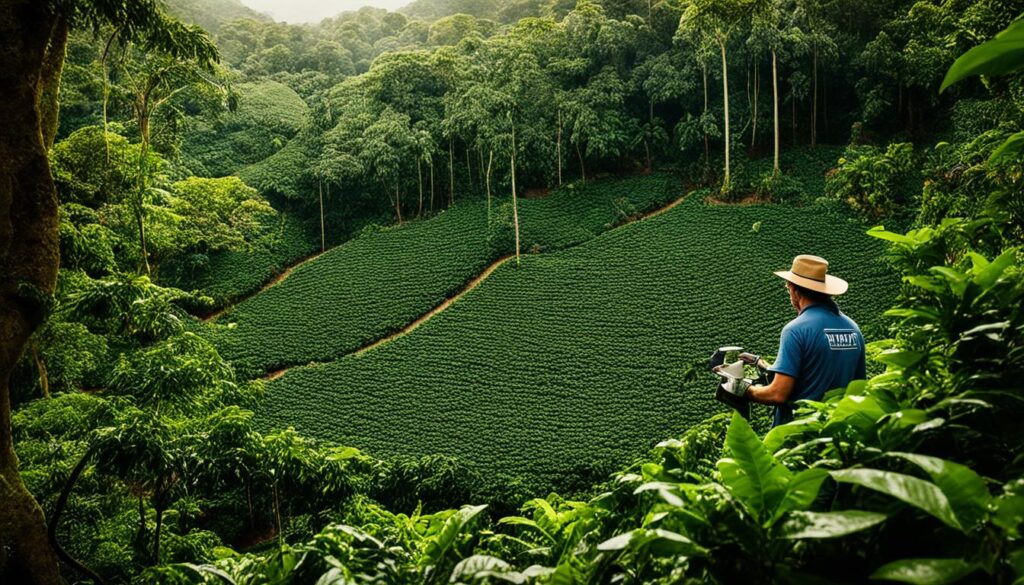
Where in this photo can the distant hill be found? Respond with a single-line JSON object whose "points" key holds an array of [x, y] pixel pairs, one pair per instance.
{"points": [[210, 14]]}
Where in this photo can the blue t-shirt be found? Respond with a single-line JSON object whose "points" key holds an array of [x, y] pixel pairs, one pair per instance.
{"points": [[823, 349]]}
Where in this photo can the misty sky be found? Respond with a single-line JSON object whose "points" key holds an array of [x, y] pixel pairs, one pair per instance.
{"points": [[315, 10]]}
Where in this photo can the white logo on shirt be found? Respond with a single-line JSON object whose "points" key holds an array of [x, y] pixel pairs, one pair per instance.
{"points": [[842, 339]]}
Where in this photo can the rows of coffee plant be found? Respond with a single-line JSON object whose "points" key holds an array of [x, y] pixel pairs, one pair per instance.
{"points": [[381, 280], [267, 115], [582, 356]]}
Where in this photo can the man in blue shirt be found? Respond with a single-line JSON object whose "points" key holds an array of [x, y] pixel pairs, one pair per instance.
{"points": [[819, 350]]}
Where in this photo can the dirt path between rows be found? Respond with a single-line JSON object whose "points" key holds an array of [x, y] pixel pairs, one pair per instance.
{"points": [[469, 286], [275, 280], [432, 312]]}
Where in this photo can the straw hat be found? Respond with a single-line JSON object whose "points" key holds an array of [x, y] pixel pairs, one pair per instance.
{"points": [[811, 272]]}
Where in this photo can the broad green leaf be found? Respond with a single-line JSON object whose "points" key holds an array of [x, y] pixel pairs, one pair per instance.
{"points": [[485, 567], [828, 524], [925, 315], [801, 491], [1012, 148], [956, 280], [882, 234], [964, 488], [520, 521], [866, 406], [752, 475], [439, 545], [923, 495], [990, 273], [664, 542], [925, 571], [778, 435], [900, 359], [999, 56], [925, 282]]}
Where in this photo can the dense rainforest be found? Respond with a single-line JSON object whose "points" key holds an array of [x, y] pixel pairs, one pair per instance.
{"points": [[426, 295]]}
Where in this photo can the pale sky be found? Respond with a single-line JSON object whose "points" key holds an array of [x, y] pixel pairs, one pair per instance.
{"points": [[315, 10]]}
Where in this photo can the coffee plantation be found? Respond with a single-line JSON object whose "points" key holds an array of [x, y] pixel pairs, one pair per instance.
{"points": [[594, 345], [427, 295], [385, 278]]}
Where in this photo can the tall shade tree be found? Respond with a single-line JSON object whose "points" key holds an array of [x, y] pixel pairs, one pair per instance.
{"points": [[717, 20], [767, 34], [152, 79], [819, 31], [33, 40]]}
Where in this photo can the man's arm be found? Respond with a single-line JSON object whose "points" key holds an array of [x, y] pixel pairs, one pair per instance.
{"points": [[775, 393]]}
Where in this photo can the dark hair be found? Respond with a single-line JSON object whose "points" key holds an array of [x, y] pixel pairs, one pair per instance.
{"points": [[817, 298]]}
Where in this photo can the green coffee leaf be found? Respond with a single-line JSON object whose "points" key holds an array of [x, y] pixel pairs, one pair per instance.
{"points": [[925, 571], [921, 494], [801, 525]]}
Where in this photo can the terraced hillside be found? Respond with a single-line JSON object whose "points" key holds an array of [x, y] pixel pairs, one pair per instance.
{"points": [[580, 355], [379, 282]]}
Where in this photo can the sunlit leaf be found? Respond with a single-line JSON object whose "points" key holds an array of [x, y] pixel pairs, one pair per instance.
{"points": [[801, 525], [925, 571]]}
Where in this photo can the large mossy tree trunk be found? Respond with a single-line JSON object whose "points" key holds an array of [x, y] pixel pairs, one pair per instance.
{"points": [[32, 42]]}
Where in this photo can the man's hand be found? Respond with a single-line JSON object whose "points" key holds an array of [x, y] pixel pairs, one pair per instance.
{"points": [[775, 393], [737, 386]]}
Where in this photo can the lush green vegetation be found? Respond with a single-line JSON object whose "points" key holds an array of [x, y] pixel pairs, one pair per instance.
{"points": [[266, 116], [152, 171], [579, 356], [385, 278]]}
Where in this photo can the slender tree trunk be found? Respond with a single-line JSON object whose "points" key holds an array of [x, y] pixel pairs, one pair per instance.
{"points": [[44, 379], [323, 232], [419, 176], [515, 203], [430, 163], [140, 535], [28, 256], [248, 497], [814, 101], [469, 172], [140, 202], [451, 172], [792, 106], [583, 170], [480, 164], [277, 513], [558, 143], [775, 111], [753, 132], [490, 162], [824, 107], [725, 101], [398, 203], [707, 147], [650, 124], [156, 535]]}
